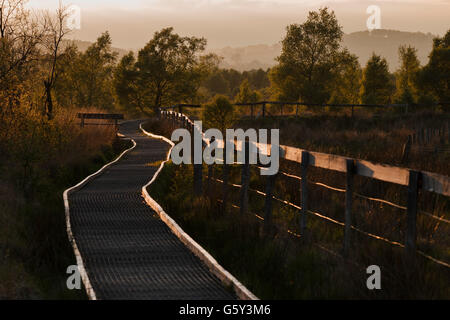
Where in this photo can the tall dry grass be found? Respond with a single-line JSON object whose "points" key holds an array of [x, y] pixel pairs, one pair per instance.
{"points": [[282, 266], [39, 159]]}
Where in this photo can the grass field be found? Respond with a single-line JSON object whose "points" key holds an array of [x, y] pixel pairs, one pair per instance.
{"points": [[39, 166], [282, 266]]}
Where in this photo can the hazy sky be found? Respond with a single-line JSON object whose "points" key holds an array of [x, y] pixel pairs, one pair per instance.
{"points": [[241, 22]]}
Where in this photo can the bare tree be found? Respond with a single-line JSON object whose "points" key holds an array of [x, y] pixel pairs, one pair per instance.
{"points": [[56, 26], [20, 36], [9, 10]]}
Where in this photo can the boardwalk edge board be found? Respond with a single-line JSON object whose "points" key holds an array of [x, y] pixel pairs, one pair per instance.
{"points": [[227, 278], [84, 276]]}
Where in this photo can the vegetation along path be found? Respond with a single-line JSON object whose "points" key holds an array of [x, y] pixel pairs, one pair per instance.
{"points": [[128, 252]]}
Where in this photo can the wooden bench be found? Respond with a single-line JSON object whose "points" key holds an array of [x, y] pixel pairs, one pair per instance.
{"points": [[100, 116]]}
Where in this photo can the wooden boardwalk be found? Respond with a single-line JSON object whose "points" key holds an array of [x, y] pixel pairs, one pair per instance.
{"points": [[127, 251]]}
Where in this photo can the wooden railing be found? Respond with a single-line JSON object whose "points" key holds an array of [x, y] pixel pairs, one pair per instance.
{"points": [[413, 180], [281, 104], [99, 116]]}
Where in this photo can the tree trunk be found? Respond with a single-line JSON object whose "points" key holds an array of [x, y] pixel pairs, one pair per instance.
{"points": [[48, 100]]}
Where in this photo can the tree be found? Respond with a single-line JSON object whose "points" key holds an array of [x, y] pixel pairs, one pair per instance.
{"points": [[376, 85], [86, 79], [219, 114], [95, 74], [309, 58], [126, 84], [347, 85], [56, 31], [407, 75], [168, 69], [20, 37], [435, 76], [246, 94]]}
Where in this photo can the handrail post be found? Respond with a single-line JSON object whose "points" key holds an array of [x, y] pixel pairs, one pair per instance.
{"points": [[225, 179], [210, 172], [268, 206], [350, 164], [245, 179], [411, 223], [304, 192], [198, 168]]}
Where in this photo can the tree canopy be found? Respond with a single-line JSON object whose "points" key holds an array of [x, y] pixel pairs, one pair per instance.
{"points": [[167, 70], [309, 58], [435, 76], [376, 85]]}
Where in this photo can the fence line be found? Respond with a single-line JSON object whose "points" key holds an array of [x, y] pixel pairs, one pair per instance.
{"points": [[413, 180]]}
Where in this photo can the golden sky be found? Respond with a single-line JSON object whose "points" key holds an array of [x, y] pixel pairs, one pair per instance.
{"points": [[241, 22]]}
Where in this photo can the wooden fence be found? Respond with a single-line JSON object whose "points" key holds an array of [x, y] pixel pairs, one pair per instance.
{"points": [[413, 180], [262, 106]]}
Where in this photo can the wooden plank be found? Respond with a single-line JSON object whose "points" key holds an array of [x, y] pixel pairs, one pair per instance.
{"points": [[436, 183], [99, 116], [316, 159], [328, 161], [292, 154], [382, 172]]}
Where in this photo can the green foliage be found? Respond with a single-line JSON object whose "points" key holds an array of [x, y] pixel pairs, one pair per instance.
{"points": [[219, 114], [130, 96], [309, 59], [435, 76], [376, 83], [85, 79], [246, 94], [406, 76], [229, 81], [347, 84], [168, 70]]}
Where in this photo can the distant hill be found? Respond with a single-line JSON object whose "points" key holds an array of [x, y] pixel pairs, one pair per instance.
{"points": [[363, 43]]}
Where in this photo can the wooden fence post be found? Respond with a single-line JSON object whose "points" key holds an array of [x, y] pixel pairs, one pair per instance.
{"points": [[198, 168], [210, 173], [225, 179], [304, 198], [245, 179], [268, 206], [348, 206], [411, 227]]}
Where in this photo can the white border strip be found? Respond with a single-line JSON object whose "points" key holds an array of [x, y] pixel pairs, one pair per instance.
{"points": [[227, 278], [84, 276]]}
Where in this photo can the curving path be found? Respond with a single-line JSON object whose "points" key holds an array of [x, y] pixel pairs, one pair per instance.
{"points": [[128, 252]]}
